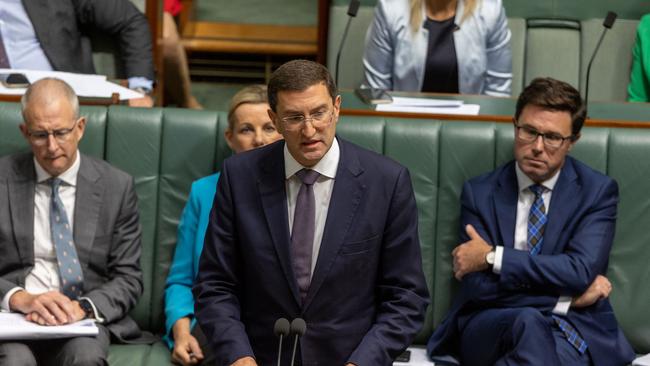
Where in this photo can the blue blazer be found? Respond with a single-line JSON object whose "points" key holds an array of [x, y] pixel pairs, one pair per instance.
{"points": [[577, 242], [179, 302], [367, 297]]}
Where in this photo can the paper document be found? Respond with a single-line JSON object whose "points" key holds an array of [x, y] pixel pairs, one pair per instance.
{"points": [[13, 326], [85, 85], [467, 109], [642, 361], [418, 358], [426, 102]]}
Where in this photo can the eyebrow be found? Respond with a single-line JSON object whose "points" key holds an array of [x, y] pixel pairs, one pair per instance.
{"points": [[524, 124], [315, 109]]}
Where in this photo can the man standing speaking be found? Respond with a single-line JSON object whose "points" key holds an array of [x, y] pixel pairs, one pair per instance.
{"points": [[312, 227]]}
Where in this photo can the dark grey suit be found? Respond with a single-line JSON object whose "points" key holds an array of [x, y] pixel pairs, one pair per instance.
{"points": [[106, 235], [61, 27]]}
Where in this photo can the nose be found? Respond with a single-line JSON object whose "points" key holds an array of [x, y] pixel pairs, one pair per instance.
{"points": [[538, 144], [308, 128], [258, 139], [52, 144]]}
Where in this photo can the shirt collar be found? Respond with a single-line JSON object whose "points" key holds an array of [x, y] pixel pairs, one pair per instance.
{"points": [[524, 181], [326, 166], [69, 177]]}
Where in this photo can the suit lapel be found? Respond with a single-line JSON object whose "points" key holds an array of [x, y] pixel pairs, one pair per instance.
{"points": [[21, 203], [88, 202], [563, 202], [346, 196], [271, 186], [505, 205]]}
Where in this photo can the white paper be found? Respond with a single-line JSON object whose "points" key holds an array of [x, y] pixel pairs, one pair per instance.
{"points": [[466, 109], [418, 358], [13, 326], [642, 361], [85, 85], [426, 102]]}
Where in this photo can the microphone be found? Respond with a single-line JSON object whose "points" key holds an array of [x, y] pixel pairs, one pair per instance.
{"points": [[298, 328], [608, 23], [281, 329], [352, 12]]}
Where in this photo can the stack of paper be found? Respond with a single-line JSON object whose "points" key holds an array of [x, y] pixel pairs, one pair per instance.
{"points": [[418, 358], [13, 326], [426, 105], [642, 361], [85, 85]]}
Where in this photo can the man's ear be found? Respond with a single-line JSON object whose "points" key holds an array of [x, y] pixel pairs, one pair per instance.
{"points": [[276, 121], [574, 140], [24, 131]]}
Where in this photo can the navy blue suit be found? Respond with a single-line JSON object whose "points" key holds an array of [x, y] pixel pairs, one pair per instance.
{"points": [[367, 297], [577, 242]]}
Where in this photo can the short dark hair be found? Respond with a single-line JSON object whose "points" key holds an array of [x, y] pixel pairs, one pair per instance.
{"points": [[298, 75], [555, 95]]}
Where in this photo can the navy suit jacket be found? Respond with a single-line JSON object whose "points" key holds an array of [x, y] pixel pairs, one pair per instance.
{"points": [[367, 297], [577, 241]]}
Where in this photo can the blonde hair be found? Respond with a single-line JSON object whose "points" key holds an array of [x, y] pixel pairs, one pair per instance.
{"points": [[417, 15], [253, 94]]}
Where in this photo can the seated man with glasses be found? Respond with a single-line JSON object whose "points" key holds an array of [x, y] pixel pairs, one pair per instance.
{"points": [[311, 227], [535, 240], [69, 236]]}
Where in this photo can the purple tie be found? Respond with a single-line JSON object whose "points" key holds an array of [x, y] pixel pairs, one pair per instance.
{"points": [[302, 233], [4, 60]]}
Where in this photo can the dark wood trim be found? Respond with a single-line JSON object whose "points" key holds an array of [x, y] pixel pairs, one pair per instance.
{"points": [[323, 30], [485, 118], [153, 12]]}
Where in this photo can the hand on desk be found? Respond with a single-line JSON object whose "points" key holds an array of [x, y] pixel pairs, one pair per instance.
{"points": [[48, 308], [186, 347], [144, 102], [599, 289], [470, 256]]}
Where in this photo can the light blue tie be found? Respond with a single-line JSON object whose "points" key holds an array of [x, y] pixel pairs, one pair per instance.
{"points": [[66, 254], [536, 224]]}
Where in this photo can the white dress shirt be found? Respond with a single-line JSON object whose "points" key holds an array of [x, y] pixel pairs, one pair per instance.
{"points": [[44, 276], [524, 203], [327, 167]]}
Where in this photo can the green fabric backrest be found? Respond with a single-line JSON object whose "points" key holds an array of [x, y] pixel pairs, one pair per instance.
{"points": [[518, 45], [351, 65], [610, 72], [553, 49], [576, 9], [166, 149]]}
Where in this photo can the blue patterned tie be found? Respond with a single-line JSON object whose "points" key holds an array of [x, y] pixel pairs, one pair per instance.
{"points": [[536, 220], [302, 232], [536, 225], [66, 254]]}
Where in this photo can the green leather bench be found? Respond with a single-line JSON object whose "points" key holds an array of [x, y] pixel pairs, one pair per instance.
{"points": [[166, 149]]}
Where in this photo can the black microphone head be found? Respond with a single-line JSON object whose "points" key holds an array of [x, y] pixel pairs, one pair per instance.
{"points": [[609, 19], [281, 327], [298, 327], [353, 8]]}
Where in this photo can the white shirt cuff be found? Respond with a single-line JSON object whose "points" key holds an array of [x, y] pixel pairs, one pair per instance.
{"points": [[498, 259], [5, 300], [98, 318], [563, 305]]}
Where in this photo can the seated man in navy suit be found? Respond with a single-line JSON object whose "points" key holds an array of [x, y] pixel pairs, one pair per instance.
{"points": [[311, 227], [536, 235]]}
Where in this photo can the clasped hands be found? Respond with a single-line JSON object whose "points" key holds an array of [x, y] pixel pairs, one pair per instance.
{"points": [[470, 256], [48, 308]]}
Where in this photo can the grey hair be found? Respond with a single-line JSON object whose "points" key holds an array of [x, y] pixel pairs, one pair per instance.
{"points": [[57, 87]]}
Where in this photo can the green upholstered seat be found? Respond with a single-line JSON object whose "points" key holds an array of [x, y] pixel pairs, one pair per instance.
{"points": [[166, 149]]}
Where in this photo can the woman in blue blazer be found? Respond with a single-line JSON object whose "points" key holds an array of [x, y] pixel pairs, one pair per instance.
{"points": [[452, 46], [249, 127]]}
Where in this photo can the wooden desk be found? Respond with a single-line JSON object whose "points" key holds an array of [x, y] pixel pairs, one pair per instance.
{"points": [[601, 114]]}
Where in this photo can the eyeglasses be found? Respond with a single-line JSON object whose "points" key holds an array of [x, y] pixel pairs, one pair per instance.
{"points": [[62, 135], [550, 139], [318, 120]]}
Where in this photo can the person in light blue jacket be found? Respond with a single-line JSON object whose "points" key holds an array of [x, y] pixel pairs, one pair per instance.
{"points": [[444, 46], [249, 127]]}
